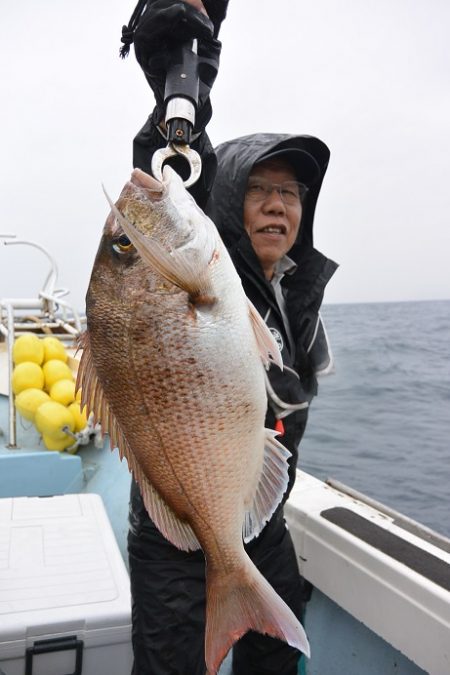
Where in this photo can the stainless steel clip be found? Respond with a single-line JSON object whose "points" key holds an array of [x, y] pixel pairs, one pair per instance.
{"points": [[172, 150]]}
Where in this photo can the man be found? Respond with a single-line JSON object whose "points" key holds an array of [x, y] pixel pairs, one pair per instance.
{"points": [[262, 200]]}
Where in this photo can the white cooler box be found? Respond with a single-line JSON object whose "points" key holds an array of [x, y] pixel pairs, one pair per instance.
{"points": [[65, 603]]}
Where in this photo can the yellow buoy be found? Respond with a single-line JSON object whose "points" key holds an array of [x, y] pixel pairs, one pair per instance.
{"points": [[27, 375], [51, 418], [55, 370], [52, 443], [54, 349], [78, 416], [28, 347], [63, 391], [29, 400]]}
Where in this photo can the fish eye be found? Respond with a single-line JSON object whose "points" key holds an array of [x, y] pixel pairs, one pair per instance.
{"points": [[122, 244]]}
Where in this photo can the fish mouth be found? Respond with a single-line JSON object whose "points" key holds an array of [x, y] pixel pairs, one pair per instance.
{"points": [[140, 179], [139, 193]]}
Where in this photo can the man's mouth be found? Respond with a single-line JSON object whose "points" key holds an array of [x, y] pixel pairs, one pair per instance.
{"points": [[273, 229]]}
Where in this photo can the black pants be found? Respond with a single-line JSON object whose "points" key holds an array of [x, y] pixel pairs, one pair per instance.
{"points": [[168, 614]]}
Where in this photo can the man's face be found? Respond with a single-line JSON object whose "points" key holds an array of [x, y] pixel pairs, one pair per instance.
{"points": [[271, 224]]}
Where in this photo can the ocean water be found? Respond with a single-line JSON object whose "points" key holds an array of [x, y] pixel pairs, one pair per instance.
{"points": [[381, 422]]}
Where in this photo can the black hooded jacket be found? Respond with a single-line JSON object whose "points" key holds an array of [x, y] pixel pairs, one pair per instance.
{"points": [[289, 391], [168, 585]]}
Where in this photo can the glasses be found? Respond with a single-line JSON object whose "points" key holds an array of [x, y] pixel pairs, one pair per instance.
{"points": [[290, 191]]}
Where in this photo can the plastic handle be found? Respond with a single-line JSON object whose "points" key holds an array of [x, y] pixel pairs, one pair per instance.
{"points": [[181, 94], [182, 77], [55, 645]]}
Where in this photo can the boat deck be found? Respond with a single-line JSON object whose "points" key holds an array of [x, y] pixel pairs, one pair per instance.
{"points": [[377, 614]]}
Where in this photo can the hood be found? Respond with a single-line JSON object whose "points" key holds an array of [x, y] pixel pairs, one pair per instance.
{"points": [[235, 161]]}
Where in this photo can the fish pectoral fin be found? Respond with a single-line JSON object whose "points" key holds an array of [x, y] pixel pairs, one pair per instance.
{"points": [[178, 532], [267, 345], [271, 487], [187, 267], [245, 601]]}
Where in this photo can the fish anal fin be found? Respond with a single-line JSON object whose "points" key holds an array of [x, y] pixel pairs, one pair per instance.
{"points": [[178, 532], [175, 530], [240, 601], [267, 345], [272, 485]]}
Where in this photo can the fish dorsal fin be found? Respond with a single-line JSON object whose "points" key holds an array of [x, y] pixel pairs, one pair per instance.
{"points": [[178, 532], [186, 267], [267, 345], [271, 487]]}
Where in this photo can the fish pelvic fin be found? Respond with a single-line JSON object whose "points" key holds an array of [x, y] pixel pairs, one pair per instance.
{"points": [[187, 267], [93, 398], [267, 345], [271, 486], [240, 601]]}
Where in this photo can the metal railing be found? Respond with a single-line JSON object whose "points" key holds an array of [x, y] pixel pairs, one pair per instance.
{"points": [[47, 313]]}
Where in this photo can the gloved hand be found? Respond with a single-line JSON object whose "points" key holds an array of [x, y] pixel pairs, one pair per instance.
{"points": [[158, 27], [216, 10]]}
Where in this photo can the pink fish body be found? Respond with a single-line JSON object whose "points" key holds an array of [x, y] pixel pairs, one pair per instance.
{"points": [[173, 367]]}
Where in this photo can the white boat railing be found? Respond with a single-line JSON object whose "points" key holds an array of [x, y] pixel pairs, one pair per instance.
{"points": [[47, 313], [372, 563]]}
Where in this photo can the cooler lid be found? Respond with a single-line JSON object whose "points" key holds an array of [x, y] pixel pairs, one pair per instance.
{"points": [[60, 568]]}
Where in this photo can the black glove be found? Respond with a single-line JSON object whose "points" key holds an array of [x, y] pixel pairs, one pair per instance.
{"points": [[216, 10], [158, 28]]}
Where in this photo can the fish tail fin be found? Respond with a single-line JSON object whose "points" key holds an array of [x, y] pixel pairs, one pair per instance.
{"points": [[244, 600]]}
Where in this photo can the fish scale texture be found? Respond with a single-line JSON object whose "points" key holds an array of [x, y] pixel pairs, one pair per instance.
{"points": [[174, 365], [186, 385], [207, 402]]}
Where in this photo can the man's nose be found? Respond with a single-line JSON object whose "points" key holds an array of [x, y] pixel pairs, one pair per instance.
{"points": [[273, 202]]}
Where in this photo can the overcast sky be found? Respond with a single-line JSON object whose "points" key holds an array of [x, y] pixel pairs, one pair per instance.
{"points": [[369, 78]]}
